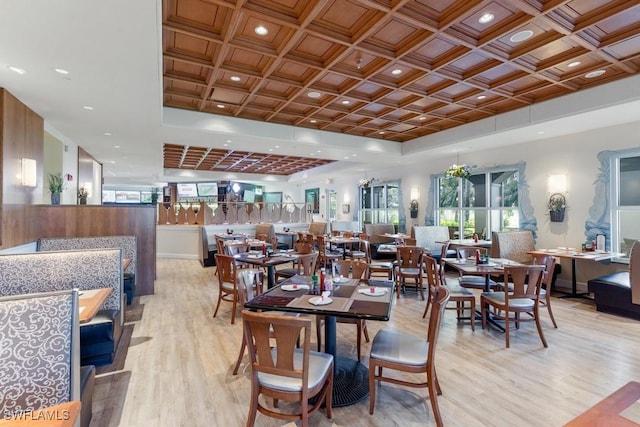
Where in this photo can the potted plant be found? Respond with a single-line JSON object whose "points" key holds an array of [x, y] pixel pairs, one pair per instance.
{"points": [[154, 195], [413, 208], [56, 185], [458, 171], [556, 205], [83, 193]]}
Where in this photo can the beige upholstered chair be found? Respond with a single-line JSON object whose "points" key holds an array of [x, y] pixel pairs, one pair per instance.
{"points": [[525, 282], [395, 350], [227, 283], [40, 340], [513, 245], [286, 372], [317, 228], [427, 235]]}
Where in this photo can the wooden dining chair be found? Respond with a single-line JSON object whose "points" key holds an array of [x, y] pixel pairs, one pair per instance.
{"points": [[519, 294], [300, 248], [227, 283], [376, 266], [326, 258], [461, 296], [285, 372], [357, 269], [409, 266], [395, 350], [549, 263], [250, 285]]}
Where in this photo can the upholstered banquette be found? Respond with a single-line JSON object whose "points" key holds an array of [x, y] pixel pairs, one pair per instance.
{"points": [[615, 293], [428, 236], [128, 244], [317, 228], [513, 245], [89, 269], [41, 354], [376, 235]]}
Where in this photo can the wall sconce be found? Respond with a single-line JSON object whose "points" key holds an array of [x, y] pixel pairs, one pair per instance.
{"points": [[415, 194], [29, 173], [557, 184], [346, 208]]}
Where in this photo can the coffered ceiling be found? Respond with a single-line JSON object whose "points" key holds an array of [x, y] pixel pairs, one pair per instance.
{"points": [[389, 69]]}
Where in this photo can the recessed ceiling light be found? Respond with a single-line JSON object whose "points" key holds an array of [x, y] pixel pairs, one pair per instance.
{"points": [[220, 106], [381, 132], [313, 121], [541, 132], [226, 145], [228, 140], [396, 71], [422, 118], [261, 30], [481, 96], [319, 151], [521, 36], [235, 78], [346, 102], [276, 146], [314, 95], [573, 64], [88, 107], [354, 155], [61, 71], [311, 154], [17, 70], [486, 18], [116, 146], [270, 149], [346, 157], [107, 134], [593, 74]]}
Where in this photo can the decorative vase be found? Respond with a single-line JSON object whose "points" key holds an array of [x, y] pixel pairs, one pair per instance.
{"points": [[55, 198], [83, 200], [413, 213], [557, 216]]}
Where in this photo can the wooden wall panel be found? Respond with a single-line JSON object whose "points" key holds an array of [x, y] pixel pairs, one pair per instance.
{"points": [[89, 220], [21, 135]]}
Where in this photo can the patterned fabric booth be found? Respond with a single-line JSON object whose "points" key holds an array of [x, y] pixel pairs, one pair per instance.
{"points": [[426, 237], [40, 354], [89, 269], [375, 233], [513, 245], [128, 244]]}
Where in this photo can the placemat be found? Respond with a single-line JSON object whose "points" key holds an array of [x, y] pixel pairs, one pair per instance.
{"points": [[363, 297], [338, 304]]}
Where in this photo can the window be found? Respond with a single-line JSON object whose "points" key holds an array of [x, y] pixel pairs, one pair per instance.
{"points": [[626, 203], [379, 204], [479, 204]]}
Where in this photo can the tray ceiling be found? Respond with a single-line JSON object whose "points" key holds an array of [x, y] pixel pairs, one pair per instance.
{"points": [[394, 70]]}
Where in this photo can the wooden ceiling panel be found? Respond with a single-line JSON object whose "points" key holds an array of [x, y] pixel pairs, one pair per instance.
{"points": [[454, 68]]}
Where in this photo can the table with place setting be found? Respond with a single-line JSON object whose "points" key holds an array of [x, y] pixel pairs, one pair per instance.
{"points": [[269, 261], [343, 241], [574, 255], [351, 298]]}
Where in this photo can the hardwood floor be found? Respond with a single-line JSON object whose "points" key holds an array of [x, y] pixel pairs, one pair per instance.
{"points": [[178, 368]]}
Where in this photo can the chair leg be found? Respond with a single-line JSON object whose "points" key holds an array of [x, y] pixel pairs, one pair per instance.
{"points": [[506, 328], [536, 313], [329, 397], [365, 331], [433, 397], [240, 356], [553, 319], [359, 337], [472, 314], [253, 408], [372, 383], [218, 305], [483, 314], [318, 332], [233, 309]]}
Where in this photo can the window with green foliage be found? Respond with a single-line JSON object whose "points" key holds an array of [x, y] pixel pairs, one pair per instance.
{"points": [[379, 204], [480, 203]]}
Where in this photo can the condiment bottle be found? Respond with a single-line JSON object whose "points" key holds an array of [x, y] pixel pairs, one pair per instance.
{"points": [[477, 256], [264, 250], [322, 275], [475, 237]]}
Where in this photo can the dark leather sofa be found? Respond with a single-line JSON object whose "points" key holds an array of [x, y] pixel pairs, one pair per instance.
{"points": [[612, 293]]}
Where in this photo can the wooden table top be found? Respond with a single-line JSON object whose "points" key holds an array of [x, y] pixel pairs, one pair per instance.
{"points": [[577, 254], [617, 409], [62, 415], [90, 302]]}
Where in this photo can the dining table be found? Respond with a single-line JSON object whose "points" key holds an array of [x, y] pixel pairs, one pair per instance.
{"points": [[90, 301], [350, 298], [494, 266], [343, 242], [575, 255], [270, 261]]}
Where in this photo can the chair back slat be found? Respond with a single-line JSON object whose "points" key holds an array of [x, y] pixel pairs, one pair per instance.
{"points": [[356, 269], [226, 268], [307, 263], [409, 256]]}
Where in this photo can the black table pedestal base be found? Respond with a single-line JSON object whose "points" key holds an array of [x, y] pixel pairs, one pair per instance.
{"points": [[350, 382]]}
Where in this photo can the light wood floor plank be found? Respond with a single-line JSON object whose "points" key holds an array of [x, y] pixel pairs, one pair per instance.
{"points": [[178, 367]]}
